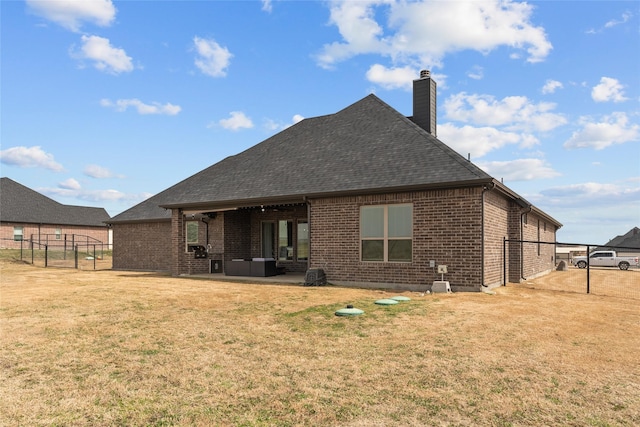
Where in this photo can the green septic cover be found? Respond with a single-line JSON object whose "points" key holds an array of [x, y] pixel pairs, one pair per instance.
{"points": [[349, 312], [401, 298], [386, 301]]}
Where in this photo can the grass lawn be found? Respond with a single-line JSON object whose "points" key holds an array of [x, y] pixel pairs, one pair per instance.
{"points": [[85, 347]]}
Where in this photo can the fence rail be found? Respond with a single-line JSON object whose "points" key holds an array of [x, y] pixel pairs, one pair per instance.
{"points": [[84, 256], [571, 275]]}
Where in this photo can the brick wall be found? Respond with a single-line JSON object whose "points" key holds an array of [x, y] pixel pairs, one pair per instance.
{"points": [[42, 232], [142, 246], [539, 258], [210, 235], [496, 229], [446, 228]]}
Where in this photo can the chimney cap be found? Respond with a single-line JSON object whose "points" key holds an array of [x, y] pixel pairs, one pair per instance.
{"points": [[425, 74]]}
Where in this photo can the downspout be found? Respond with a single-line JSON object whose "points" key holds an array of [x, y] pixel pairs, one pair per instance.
{"points": [[485, 188], [207, 231]]}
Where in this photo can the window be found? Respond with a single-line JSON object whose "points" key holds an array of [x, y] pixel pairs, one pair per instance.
{"points": [[303, 241], [285, 240], [386, 233], [17, 234], [58, 234], [192, 233]]}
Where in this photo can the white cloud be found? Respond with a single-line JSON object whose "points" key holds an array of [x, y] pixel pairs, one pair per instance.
{"points": [[551, 86], [591, 194], [478, 141], [476, 72], [615, 22], [72, 189], [519, 169], [613, 129], [424, 32], [105, 57], [392, 78], [267, 6], [626, 16], [142, 108], [272, 125], [70, 184], [513, 112], [29, 157], [608, 90], [71, 14], [95, 171], [213, 59], [237, 121]]}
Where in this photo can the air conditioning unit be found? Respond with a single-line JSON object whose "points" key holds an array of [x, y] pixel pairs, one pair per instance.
{"points": [[315, 277]]}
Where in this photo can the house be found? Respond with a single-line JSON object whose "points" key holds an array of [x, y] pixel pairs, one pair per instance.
{"points": [[626, 245], [366, 194], [26, 214]]}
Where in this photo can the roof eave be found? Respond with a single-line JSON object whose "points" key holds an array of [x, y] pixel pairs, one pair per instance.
{"points": [[302, 198]]}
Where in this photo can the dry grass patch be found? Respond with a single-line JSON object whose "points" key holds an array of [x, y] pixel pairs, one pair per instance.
{"points": [[114, 348]]}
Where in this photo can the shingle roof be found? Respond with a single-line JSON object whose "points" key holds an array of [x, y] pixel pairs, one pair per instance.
{"points": [[24, 205], [365, 147], [629, 240]]}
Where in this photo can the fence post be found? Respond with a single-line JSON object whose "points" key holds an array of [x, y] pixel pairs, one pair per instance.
{"points": [[46, 255], [94, 257], [75, 251], [588, 271]]}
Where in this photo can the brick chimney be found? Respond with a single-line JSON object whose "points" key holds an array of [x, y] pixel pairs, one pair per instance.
{"points": [[424, 102]]}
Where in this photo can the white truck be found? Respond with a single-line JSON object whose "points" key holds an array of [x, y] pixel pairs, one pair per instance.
{"points": [[605, 259]]}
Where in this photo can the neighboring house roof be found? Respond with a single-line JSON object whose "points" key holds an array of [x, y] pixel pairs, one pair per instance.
{"points": [[368, 147], [629, 240], [21, 204]]}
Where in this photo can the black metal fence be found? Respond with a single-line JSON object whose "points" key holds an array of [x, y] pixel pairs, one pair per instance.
{"points": [[576, 268], [85, 256]]}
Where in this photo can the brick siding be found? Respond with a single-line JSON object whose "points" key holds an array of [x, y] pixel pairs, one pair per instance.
{"points": [[447, 228], [45, 234], [142, 246]]}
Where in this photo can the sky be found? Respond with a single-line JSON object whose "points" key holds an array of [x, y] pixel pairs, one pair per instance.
{"points": [[105, 103]]}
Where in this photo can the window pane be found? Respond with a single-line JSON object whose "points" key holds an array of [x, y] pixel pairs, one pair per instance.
{"points": [[17, 233], [285, 240], [372, 221], [400, 221], [192, 232], [373, 250], [303, 240], [400, 250]]}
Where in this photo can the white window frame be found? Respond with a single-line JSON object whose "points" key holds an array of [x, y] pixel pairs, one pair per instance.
{"points": [[186, 234], [385, 237], [18, 231]]}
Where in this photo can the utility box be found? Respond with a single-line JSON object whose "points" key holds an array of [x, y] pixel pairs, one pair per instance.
{"points": [[441, 286], [215, 266]]}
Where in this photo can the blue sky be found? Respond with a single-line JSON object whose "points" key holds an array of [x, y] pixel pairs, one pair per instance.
{"points": [[105, 103]]}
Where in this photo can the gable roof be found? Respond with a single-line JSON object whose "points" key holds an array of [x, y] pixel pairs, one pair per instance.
{"points": [[365, 148], [23, 205], [629, 240]]}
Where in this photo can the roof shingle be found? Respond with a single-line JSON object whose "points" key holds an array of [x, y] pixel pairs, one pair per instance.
{"points": [[365, 147], [24, 205]]}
